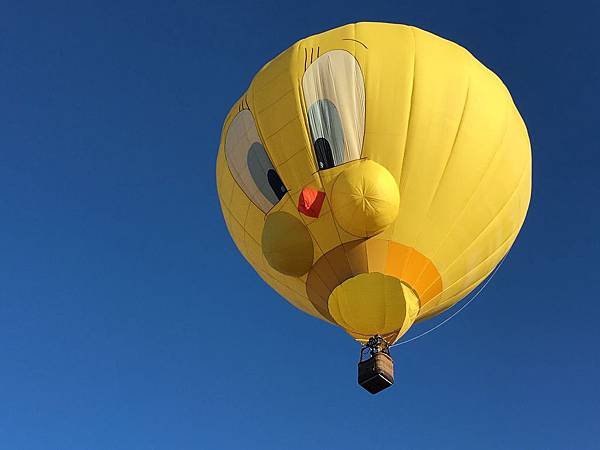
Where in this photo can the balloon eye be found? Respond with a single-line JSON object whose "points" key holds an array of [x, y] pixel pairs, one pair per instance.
{"points": [[276, 184], [324, 154], [334, 93], [250, 164]]}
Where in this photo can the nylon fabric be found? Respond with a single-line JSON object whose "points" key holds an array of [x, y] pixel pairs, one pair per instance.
{"points": [[420, 157]]}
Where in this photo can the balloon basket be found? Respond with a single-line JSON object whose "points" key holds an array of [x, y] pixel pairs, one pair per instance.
{"points": [[376, 373]]}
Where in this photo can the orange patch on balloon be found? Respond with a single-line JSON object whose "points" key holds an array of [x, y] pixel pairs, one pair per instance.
{"points": [[416, 269]]}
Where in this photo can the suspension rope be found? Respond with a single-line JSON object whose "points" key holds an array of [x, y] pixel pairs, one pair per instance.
{"points": [[447, 319]]}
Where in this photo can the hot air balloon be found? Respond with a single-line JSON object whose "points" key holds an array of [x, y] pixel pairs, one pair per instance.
{"points": [[374, 175]]}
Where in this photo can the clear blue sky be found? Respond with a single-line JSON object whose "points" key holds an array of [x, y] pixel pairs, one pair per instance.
{"points": [[128, 320]]}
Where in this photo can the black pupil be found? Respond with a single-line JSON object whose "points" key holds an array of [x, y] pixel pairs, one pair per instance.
{"points": [[324, 153], [276, 184]]}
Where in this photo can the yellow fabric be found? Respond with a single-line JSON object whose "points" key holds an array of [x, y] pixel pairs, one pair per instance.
{"points": [[287, 244], [442, 125], [365, 199], [373, 303]]}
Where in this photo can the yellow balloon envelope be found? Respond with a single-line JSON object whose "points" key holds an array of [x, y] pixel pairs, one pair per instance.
{"points": [[374, 175]]}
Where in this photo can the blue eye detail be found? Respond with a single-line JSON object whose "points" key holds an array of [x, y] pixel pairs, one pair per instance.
{"points": [[276, 184], [250, 164], [324, 154], [327, 134], [264, 175]]}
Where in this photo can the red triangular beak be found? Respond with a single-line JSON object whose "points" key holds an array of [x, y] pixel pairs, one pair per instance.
{"points": [[310, 202]]}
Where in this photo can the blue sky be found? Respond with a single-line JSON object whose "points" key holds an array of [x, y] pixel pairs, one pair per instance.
{"points": [[128, 320]]}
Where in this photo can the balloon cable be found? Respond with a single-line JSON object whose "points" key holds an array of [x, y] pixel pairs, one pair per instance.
{"points": [[447, 319]]}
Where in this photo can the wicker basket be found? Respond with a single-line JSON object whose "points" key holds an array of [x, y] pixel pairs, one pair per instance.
{"points": [[376, 373]]}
